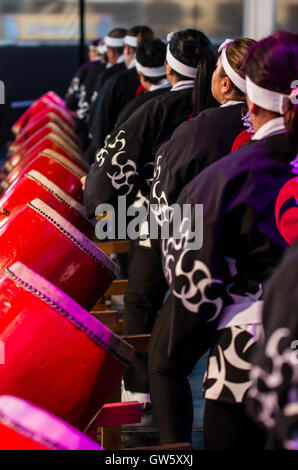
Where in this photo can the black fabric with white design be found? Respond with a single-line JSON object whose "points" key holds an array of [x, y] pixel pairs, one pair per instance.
{"points": [[238, 195], [193, 146], [97, 90], [73, 93], [125, 164], [115, 94], [86, 92], [273, 397]]}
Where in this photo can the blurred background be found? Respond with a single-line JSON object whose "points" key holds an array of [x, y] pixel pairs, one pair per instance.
{"points": [[41, 41]]}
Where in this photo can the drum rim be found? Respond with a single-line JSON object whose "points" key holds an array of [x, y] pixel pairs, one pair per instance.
{"points": [[32, 416], [63, 304], [69, 230], [69, 165], [61, 195]]}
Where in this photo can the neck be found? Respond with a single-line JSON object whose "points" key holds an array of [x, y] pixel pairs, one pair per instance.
{"points": [[261, 119]]}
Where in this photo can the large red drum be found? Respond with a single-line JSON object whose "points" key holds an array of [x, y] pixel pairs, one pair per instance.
{"points": [[24, 426], [52, 142], [46, 242], [38, 122], [35, 185], [39, 134], [57, 355], [46, 101], [57, 168]]}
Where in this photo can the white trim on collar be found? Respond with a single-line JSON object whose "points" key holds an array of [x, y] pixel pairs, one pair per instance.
{"points": [[273, 127], [183, 85], [231, 103]]}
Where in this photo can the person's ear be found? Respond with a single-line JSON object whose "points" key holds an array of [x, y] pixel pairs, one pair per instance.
{"points": [[226, 85], [169, 70]]}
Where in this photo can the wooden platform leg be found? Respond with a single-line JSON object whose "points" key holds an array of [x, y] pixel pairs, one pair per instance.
{"points": [[110, 436]]}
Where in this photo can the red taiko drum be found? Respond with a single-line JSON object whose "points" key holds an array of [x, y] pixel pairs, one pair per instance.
{"points": [[37, 123], [57, 168], [52, 142], [24, 426], [35, 185], [46, 242], [46, 101], [38, 135], [57, 355]]}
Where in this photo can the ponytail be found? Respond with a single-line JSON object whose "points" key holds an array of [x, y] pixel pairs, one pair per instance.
{"points": [[202, 97]]}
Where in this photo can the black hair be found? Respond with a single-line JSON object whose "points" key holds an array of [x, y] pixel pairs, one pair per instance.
{"points": [[142, 33], [186, 45], [194, 49], [152, 54], [202, 97]]}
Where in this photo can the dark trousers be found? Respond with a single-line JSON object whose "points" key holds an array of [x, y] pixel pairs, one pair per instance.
{"points": [[225, 425], [143, 300]]}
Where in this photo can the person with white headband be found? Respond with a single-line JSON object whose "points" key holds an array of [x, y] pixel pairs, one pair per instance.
{"points": [[194, 145], [125, 165], [150, 65], [217, 282], [95, 80], [75, 89], [117, 92]]}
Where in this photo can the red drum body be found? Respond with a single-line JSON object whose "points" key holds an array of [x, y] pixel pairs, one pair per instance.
{"points": [[51, 142], [58, 169], [46, 101], [57, 355], [39, 134], [244, 137], [39, 122], [34, 185], [46, 242], [24, 426]]}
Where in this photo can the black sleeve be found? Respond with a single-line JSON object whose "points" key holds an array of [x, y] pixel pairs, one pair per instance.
{"points": [[73, 93], [198, 273], [105, 112], [274, 392], [119, 166]]}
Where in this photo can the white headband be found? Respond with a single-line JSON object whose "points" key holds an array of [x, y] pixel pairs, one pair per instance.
{"points": [[233, 76], [114, 42], [268, 99], [131, 41], [179, 67], [151, 71], [102, 48]]}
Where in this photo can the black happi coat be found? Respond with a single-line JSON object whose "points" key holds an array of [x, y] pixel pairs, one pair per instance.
{"points": [[115, 94], [97, 90], [73, 93], [274, 403], [125, 164], [195, 145], [125, 114], [86, 92], [241, 247], [131, 107]]}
